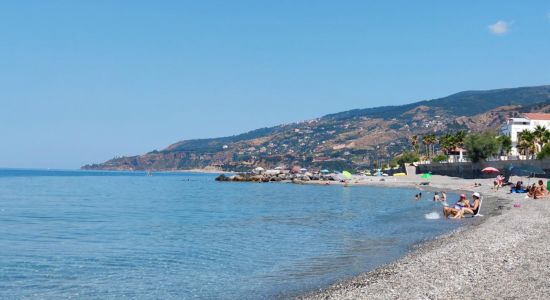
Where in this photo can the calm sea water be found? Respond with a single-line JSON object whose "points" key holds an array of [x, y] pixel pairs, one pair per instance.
{"points": [[111, 235]]}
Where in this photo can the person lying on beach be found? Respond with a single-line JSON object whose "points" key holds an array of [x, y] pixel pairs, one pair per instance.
{"points": [[457, 208], [436, 197], [475, 185], [471, 209]]}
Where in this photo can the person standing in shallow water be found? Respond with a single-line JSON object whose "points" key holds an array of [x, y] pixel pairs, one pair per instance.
{"points": [[443, 196], [436, 197]]}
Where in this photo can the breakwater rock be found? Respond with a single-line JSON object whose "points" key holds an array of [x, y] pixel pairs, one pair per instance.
{"points": [[251, 177]]}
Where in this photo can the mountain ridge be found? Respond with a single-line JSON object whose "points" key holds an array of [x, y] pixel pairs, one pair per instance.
{"points": [[351, 138]]}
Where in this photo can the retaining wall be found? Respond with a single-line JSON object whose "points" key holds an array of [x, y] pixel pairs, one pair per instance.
{"points": [[470, 170]]}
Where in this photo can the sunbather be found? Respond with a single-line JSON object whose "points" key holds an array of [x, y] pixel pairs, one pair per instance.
{"points": [[539, 191], [471, 209], [518, 188], [457, 208]]}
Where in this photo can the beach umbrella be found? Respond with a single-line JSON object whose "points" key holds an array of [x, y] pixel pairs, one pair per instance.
{"points": [[490, 170], [426, 175], [347, 175]]}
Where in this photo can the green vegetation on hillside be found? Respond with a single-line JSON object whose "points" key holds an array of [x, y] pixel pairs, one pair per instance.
{"points": [[353, 139]]}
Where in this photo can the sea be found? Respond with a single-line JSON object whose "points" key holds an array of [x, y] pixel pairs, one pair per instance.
{"points": [[125, 235]]}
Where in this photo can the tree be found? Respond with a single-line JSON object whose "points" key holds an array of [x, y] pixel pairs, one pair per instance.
{"points": [[505, 144], [426, 142], [433, 140], [459, 138], [414, 143], [546, 137], [407, 157], [481, 146], [447, 143], [544, 152], [539, 136], [526, 142], [440, 158]]}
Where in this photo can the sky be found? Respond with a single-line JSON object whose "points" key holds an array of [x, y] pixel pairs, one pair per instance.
{"points": [[84, 81]]}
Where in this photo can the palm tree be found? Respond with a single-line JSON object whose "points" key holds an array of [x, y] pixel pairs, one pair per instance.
{"points": [[546, 137], [459, 138], [433, 141], [426, 142], [447, 143], [414, 142], [539, 135], [526, 142]]}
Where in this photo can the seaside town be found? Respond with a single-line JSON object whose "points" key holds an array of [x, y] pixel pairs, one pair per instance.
{"points": [[523, 143]]}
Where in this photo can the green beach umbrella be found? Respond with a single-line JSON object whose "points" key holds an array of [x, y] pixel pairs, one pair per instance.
{"points": [[347, 175], [426, 175]]}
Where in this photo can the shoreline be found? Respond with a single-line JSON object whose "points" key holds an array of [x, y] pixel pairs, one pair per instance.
{"points": [[447, 265]]}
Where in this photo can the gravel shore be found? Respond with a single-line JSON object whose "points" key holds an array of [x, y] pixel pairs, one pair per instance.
{"points": [[503, 255]]}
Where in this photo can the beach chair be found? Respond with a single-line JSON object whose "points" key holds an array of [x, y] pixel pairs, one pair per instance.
{"points": [[478, 210]]}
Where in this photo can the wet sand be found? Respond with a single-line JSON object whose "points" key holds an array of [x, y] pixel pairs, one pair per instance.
{"points": [[505, 254]]}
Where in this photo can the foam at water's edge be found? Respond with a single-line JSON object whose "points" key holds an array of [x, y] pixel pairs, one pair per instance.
{"points": [[432, 216]]}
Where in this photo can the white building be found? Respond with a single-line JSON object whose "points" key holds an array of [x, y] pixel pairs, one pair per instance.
{"points": [[528, 121]]}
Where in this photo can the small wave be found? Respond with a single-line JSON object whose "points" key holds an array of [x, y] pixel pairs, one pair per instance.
{"points": [[432, 216]]}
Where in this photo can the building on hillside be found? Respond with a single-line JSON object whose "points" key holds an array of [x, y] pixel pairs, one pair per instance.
{"points": [[528, 121]]}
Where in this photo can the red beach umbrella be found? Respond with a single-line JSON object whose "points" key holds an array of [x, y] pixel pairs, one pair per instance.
{"points": [[490, 170]]}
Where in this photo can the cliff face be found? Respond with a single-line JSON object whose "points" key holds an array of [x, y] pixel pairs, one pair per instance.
{"points": [[348, 139]]}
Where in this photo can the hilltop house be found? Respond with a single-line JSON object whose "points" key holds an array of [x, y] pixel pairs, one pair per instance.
{"points": [[528, 121]]}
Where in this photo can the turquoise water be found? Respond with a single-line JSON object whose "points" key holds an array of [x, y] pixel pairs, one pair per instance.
{"points": [[119, 235]]}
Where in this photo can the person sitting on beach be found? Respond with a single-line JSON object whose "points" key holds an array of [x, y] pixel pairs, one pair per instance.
{"points": [[518, 188], [471, 209], [531, 191], [457, 208], [539, 191], [498, 182], [436, 197]]}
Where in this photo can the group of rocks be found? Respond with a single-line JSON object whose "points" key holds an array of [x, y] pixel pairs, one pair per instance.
{"points": [[251, 177]]}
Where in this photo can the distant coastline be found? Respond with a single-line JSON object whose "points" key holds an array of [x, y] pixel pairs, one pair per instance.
{"points": [[207, 170], [351, 140]]}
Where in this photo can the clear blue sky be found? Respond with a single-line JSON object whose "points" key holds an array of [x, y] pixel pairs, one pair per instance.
{"points": [[83, 81]]}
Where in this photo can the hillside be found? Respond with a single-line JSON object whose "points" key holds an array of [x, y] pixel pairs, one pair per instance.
{"points": [[354, 138]]}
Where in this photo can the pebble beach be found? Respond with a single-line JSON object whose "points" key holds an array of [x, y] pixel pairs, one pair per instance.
{"points": [[504, 254]]}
